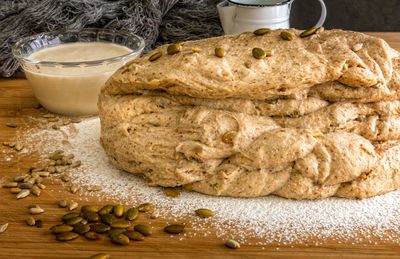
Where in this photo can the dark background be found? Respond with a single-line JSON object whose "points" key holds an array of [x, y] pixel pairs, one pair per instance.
{"points": [[359, 15]]}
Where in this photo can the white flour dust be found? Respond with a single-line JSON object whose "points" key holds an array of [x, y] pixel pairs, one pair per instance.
{"points": [[270, 219]]}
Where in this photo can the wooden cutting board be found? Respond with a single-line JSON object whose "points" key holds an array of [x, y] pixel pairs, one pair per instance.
{"points": [[17, 103]]}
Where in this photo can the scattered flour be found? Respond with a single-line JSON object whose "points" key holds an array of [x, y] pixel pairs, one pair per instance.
{"points": [[269, 219]]}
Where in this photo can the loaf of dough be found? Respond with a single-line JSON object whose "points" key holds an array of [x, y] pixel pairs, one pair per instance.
{"points": [[318, 117]]}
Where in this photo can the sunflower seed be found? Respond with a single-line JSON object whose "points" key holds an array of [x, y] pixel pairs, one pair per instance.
{"points": [[106, 209], [51, 169], [73, 188], [144, 207], [43, 174], [174, 229], [11, 125], [10, 185], [248, 64], [132, 214], [100, 256], [26, 185], [143, 229], [65, 178], [232, 244], [196, 50], [118, 210], [22, 194], [3, 227], [39, 180], [92, 235], [30, 221], [62, 203], [56, 155], [72, 205], [76, 164], [309, 32], [18, 146], [66, 236], [120, 239], [41, 186], [204, 213], [61, 228], [61, 169], [15, 190], [134, 235], [36, 210], [172, 192], [36, 190], [155, 214], [262, 31], [20, 177]]}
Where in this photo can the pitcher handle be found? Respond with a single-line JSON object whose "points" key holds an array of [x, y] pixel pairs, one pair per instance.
{"points": [[323, 14]]}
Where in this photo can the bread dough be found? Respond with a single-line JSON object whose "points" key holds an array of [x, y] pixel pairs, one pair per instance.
{"points": [[316, 119]]}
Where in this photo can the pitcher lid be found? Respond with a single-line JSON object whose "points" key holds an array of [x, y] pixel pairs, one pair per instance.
{"points": [[259, 2]]}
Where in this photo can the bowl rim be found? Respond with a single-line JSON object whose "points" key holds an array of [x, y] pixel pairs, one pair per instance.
{"points": [[16, 46]]}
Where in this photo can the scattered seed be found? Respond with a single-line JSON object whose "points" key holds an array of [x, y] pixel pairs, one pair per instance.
{"points": [[73, 221], [309, 32], [232, 244], [121, 224], [18, 146], [204, 213], [174, 229], [132, 214], [286, 35], [92, 235], [65, 178], [73, 188], [15, 190], [39, 223], [120, 239], [108, 218], [22, 194], [143, 229], [219, 52], [106, 209], [91, 216], [76, 164], [171, 192], [155, 214], [70, 216], [3, 227], [81, 228], [61, 228], [72, 205], [144, 207], [36, 190], [55, 126], [174, 48], [36, 210], [25, 185], [155, 56], [134, 235], [11, 125], [66, 236], [10, 185], [62, 203], [118, 210], [262, 31], [41, 186], [100, 256], [30, 221], [99, 228], [66, 122]]}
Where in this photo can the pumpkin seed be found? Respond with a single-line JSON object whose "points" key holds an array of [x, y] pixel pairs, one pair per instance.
{"points": [[134, 235], [187, 187], [91, 216], [118, 210], [30, 221], [155, 56], [232, 244], [66, 236], [171, 192], [308, 32], [3, 227], [10, 185], [22, 194], [204, 213], [11, 125], [73, 221], [61, 228], [76, 164], [116, 231], [196, 50], [132, 214], [121, 224], [143, 229], [62, 203], [228, 137], [144, 207], [286, 35], [90, 208], [120, 239], [259, 53], [81, 228], [100, 256], [262, 31], [219, 52], [15, 190], [18, 146], [108, 218], [174, 48], [99, 228], [155, 214], [70, 216], [36, 190], [92, 235], [106, 209], [73, 188], [174, 229], [72, 205], [39, 223]]}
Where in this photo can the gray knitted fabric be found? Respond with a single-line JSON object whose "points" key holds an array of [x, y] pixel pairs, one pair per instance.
{"points": [[157, 21]]}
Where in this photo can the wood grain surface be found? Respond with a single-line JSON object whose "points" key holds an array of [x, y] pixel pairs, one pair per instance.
{"points": [[17, 103]]}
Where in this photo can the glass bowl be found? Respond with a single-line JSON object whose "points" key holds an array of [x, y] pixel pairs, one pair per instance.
{"points": [[72, 88]]}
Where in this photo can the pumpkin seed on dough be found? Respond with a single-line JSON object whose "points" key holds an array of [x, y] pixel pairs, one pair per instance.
{"points": [[92, 235], [232, 244], [172, 192], [262, 31], [219, 52], [187, 187], [144, 207], [120, 239], [66, 236], [132, 214], [100, 256], [309, 32], [41, 186], [174, 48], [155, 56], [143, 229], [61, 228], [259, 53], [286, 35], [134, 235], [118, 210], [106, 209], [204, 213], [174, 229]]}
